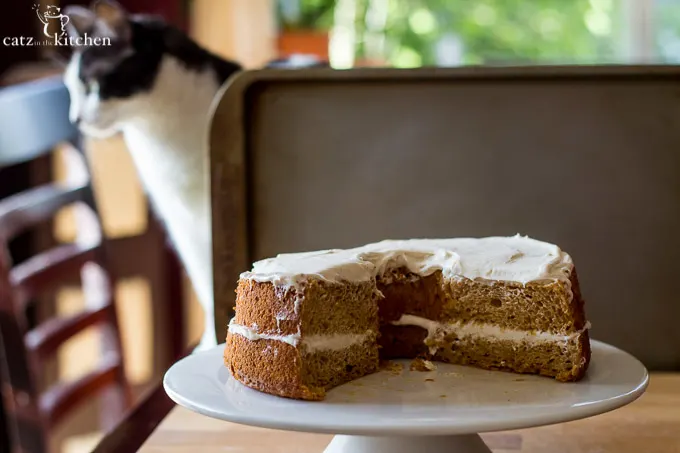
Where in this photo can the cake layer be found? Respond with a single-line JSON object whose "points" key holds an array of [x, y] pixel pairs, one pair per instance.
{"points": [[564, 361], [565, 358], [267, 365], [271, 309], [554, 306], [317, 307], [331, 308], [279, 368], [325, 369]]}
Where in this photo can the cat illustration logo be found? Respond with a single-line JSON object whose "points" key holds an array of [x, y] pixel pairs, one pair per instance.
{"points": [[52, 15]]}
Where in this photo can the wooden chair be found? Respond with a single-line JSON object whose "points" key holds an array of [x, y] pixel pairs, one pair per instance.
{"points": [[33, 119]]}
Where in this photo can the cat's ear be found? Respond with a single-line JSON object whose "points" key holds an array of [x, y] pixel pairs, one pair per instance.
{"points": [[81, 21], [114, 19]]}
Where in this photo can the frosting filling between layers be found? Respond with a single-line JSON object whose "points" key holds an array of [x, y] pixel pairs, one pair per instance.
{"points": [[312, 343], [253, 335], [336, 342], [437, 331]]}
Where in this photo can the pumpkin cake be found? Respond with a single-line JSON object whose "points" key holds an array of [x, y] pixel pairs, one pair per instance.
{"points": [[307, 322]]}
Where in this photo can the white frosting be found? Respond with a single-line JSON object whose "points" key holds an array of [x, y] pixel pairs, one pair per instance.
{"points": [[312, 343], [336, 342], [517, 259], [437, 330], [252, 334]]}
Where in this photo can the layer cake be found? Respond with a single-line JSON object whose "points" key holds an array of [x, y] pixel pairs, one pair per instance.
{"points": [[307, 322]]}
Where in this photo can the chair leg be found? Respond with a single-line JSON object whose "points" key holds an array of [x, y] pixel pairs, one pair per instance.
{"points": [[112, 407], [175, 304], [4, 433]]}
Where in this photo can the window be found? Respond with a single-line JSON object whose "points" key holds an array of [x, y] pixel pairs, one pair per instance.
{"points": [[412, 33]]}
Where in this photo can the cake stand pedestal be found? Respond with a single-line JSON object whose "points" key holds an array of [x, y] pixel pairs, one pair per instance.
{"points": [[402, 411], [467, 443]]}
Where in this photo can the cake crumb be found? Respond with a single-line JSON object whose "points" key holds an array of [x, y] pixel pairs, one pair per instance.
{"points": [[442, 396], [391, 367], [452, 374], [419, 364], [429, 380]]}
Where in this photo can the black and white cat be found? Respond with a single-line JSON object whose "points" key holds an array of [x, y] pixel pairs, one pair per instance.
{"points": [[155, 86]]}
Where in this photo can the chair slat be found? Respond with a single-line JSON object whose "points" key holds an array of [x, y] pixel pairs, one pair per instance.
{"points": [[21, 211], [48, 336], [43, 271], [61, 398]]}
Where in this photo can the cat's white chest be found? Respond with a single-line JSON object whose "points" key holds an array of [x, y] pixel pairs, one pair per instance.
{"points": [[168, 143], [172, 172], [167, 137]]}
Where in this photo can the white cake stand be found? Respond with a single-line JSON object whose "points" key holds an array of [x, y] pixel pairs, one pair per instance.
{"points": [[426, 412]]}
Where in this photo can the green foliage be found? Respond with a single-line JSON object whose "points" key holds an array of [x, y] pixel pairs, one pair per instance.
{"points": [[667, 17], [305, 14], [486, 31], [503, 31]]}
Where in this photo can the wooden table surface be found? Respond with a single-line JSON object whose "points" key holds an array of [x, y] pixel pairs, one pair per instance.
{"points": [[649, 425]]}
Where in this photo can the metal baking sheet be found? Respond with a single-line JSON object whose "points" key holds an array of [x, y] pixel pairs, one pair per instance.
{"points": [[584, 157]]}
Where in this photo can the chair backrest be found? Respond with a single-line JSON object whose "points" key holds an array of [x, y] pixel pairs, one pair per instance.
{"points": [[33, 120], [586, 158]]}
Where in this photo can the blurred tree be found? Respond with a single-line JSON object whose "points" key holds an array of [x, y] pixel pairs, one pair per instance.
{"points": [[667, 16], [305, 14], [451, 32], [423, 32]]}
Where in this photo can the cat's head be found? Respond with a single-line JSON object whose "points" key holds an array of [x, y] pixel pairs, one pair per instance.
{"points": [[51, 12], [110, 66]]}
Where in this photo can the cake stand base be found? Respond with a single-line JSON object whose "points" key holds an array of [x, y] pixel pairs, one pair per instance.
{"points": [[466, 443]]}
